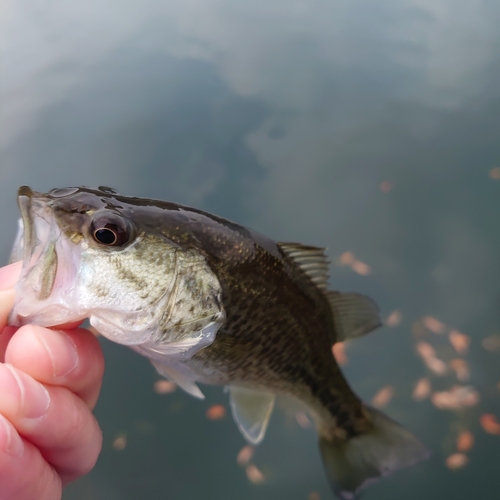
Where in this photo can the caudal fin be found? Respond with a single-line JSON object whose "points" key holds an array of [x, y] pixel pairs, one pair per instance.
{"points": [[363, 459]]}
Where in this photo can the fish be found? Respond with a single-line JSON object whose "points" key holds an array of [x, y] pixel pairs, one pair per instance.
{"points": [[210, 301]]}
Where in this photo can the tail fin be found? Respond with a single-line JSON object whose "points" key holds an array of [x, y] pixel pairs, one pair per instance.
{"points": [[363, 459]]}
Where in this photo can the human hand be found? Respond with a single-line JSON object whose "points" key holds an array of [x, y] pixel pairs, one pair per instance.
{"points": [[49, 384]]}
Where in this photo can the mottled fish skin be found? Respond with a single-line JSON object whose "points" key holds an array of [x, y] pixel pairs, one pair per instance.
{"points": [[277, 326]]}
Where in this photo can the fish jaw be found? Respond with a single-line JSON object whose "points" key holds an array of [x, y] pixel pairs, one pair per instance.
{"points": [[45, 291]]}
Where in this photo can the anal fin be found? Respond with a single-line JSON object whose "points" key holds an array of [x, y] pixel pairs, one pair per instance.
{"points": [[251, 411]]}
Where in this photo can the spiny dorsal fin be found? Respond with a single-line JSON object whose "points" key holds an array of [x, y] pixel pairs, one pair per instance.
{"points": [[353, 315], [312, 260]]}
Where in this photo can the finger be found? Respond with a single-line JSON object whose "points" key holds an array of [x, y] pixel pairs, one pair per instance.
{"points": [[72, 359], [9, 275], [53, 419], [5, 337], [24, 473], [8, 278]]}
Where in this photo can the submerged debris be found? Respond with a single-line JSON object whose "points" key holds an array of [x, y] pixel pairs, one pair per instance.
{"points": [[437, 366], [254, 474], [361, 268], [465, 441], [422, 389], [425, 350], [459, 341], [491, 343], [490, 424], [348, 259], [457, 461], [216, 412], [245, 455], [120, 442], [394, 318], [461, 369], [386, 186], [314, 495], [495, 173], [434, 325], [338, 351], [164, 387], [457, 398], [383, 397]]}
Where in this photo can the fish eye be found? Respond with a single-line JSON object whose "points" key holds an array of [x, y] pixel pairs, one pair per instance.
{"points": [[111, 231]]}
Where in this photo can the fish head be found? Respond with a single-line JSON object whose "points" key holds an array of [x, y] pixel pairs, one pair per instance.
{"points": [[91, 253]]}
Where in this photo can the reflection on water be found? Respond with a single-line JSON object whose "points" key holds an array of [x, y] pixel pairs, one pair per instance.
{"points": [[370, 129]]}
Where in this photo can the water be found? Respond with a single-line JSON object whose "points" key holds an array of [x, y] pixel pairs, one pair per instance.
{"points": [[369, 128]]}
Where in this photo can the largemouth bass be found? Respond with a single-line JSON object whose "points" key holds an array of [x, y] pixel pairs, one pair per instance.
{"points": [[210, 301]]}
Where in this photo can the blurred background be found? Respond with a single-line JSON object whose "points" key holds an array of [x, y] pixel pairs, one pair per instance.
{"points": [[370, 128]]}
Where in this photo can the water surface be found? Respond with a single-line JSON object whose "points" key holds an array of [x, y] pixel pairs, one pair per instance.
{"points": [[369, 128]]}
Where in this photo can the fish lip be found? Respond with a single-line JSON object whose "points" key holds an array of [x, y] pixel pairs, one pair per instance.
{"points": [[25, 191], [30, 206]]}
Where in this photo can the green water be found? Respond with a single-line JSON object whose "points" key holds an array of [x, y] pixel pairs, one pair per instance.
{"points": [[285, 116]]}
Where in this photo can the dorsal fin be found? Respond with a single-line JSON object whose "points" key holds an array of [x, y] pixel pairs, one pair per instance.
{"points": [[312, 260], [353, 315]]}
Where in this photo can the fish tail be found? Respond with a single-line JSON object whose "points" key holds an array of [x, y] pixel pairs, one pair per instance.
{"points": [[353, 464]]}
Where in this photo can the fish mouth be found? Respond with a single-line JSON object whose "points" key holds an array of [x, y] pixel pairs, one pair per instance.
{"points": [[31, 214], [49, 265]]}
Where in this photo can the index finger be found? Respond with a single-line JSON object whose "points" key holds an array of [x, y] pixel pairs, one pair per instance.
{"points": [[9, 276]]}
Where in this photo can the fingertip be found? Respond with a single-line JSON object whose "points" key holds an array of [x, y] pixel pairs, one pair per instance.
{"points": [[6, 303], [5, 335], [27, 352], [9, 275], [68, 358], [82, 457]]}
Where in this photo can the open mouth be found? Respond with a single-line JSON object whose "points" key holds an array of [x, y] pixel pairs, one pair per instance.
{"points": [[49, 264], [39, 253]]}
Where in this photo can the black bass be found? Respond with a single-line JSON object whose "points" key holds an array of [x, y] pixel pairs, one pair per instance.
{"points": [[210, 301]]}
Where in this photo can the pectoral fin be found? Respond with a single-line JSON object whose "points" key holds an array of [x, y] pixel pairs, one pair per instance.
{"points": [[179, 378], [251, 412]]}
